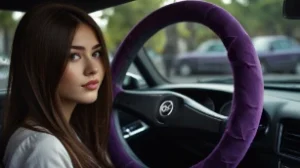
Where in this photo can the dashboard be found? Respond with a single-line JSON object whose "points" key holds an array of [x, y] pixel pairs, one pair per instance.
{"points": [[278, 136]]}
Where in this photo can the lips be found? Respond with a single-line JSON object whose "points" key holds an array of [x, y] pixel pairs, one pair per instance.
{"points": [[91, 85]]}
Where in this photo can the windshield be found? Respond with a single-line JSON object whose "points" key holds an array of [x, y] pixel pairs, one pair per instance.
{"points": [[188, 52]]}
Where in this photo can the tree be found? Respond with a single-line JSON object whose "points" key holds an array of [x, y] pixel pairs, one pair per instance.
{"points": [[258, 17], [125, 17]]}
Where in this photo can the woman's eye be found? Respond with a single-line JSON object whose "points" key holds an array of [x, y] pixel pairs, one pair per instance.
{"points": [[75, 56], [97, 54]]}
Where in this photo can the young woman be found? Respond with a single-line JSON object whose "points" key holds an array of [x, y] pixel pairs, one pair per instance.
{"points": [[59, 92]]}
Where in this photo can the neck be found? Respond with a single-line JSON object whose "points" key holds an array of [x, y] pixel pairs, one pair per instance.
{"points": [[67, 109]]}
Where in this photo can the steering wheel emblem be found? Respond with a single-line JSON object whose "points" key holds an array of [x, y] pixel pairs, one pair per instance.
{"points": [[166, 108]]}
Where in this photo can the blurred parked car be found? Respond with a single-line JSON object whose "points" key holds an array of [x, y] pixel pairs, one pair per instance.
{"points": [[276, 54]]}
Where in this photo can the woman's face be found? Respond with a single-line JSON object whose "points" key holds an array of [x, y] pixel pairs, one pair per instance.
{"points": [[85, 70]]}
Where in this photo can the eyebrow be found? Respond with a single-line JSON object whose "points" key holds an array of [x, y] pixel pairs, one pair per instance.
{"points": [[83, 48]]}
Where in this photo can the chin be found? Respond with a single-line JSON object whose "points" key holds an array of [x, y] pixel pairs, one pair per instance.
{"points": [[87, 99], [87, 102]]}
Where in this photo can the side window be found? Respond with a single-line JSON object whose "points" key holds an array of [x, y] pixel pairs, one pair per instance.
{"points": [[295, 43], [217, 48], [281, 45], [212, 48]]}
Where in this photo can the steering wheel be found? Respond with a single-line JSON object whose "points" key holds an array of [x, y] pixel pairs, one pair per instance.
{"points": [[170, 109]]}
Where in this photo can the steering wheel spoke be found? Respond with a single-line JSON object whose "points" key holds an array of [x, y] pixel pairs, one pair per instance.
{"points": [[170, 109]]}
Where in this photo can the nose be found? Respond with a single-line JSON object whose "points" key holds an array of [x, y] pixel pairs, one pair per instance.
{"points": [[91, 67]]}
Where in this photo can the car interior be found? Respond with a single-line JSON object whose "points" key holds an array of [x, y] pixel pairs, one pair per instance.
{"points": [[186, 141]]}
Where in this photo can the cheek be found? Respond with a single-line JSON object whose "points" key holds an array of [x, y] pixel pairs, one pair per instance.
{"points": [[101, 69], [69, 77]]}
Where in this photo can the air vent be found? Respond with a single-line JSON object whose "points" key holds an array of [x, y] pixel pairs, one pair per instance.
{"points": [[290, 138]]}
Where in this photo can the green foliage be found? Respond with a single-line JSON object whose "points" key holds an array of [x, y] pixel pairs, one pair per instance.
{"points": [[6, 20], [258, 17], [125, 17]]}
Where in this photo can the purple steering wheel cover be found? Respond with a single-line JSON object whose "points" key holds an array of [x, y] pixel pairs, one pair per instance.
{"points": [[247, 103]]}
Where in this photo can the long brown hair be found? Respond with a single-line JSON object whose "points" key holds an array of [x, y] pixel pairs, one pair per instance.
{"points": [[40, 52]]}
